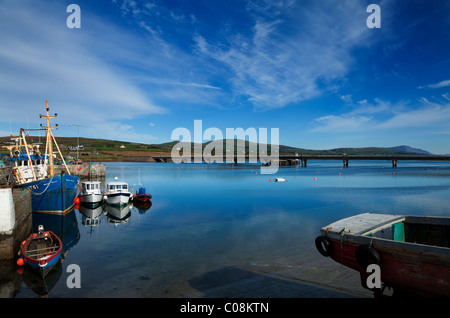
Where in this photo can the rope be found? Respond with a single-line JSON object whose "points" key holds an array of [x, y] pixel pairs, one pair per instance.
{"points": [[44, 189]]}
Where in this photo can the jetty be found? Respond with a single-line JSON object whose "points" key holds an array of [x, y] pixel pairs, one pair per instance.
{"points": [[85, 169], [15, 220]]}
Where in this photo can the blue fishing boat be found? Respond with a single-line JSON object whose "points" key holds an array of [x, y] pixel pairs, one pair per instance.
{"points": [[29, 169], [55, 194]]}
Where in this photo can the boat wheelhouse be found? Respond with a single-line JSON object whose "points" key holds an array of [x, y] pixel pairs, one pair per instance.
{"points": [[90, 193], [50, 193]]}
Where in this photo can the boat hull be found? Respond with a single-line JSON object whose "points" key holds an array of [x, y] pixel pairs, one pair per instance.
{"points": [[54, 195], [92, 199], [121, 198], [45, 269], [410, 268], [142, 197], [42, 265]]}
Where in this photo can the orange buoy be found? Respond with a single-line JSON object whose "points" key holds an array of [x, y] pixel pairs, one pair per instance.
{"points": [[315, 178], [20, 262], [339, 173], [76, 200], [270, 180]]}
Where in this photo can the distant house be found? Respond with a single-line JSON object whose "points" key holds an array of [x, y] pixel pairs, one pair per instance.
{"points": [[73, 148], [122, 147]]}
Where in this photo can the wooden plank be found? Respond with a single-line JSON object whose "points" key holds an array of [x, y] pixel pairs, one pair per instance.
{"points": [[363, 223]]}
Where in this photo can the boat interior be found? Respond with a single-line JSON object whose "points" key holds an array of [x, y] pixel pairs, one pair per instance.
{"points": [[433, 231], [42, 247]]}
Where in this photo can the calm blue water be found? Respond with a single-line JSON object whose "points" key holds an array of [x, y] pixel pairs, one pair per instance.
{"points": [[210, 225]]}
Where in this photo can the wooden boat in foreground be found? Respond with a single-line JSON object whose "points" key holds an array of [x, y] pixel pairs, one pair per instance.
{"points": [[42, 250], [412, 252]]}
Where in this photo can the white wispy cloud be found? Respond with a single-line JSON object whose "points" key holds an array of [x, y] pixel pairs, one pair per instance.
{"points": [[384, 116], [341, 123], [98, 75], [441, 84], [432, 115], [44, 60], [274, 68]]}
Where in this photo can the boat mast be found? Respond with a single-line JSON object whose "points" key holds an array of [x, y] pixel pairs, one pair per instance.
{"points": [[49, 141]]}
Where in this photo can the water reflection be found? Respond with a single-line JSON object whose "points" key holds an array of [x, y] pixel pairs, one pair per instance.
{"points": [[42, 286], [66, 228], [142, 207], [117, 214], [90, 216], [207, 218]]}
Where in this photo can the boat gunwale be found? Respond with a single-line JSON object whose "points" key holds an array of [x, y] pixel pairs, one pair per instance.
{"points": [[34, 260], [389, 246]]}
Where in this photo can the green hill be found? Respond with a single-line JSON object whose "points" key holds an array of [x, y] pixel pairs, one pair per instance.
{"points": [[105, 147]]}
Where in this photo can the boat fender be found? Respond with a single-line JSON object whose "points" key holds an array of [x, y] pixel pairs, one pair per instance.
{"points": [[366, 255], [324, 246]]}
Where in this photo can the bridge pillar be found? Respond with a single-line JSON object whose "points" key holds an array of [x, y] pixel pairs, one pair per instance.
{"points": [[394, 163], [304, 162]]}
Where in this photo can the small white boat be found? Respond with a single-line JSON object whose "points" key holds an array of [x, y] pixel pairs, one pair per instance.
{"points": [[90, 193], [279, 180], [117, 193]]}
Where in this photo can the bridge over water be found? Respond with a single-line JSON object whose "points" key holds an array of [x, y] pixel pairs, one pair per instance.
{"points": [[303, 159]]}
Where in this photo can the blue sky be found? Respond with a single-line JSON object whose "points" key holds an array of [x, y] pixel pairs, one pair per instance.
{"points": [[136, 70]]}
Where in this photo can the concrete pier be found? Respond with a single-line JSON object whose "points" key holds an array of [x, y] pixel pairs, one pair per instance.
{"points": [[84, 169], [15, 220]]}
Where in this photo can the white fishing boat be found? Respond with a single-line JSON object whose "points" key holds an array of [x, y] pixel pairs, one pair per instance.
{"points": [[90, 193], [117, 193]]}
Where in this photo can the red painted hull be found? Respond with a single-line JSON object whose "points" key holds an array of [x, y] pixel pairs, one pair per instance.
{"points": [[412, 252], [406, 272], [142, 197]]}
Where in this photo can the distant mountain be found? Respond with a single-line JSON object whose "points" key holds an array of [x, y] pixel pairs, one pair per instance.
{"points": [[412, 150]]}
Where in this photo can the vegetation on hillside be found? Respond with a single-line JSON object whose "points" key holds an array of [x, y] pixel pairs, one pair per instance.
{"points": [[104, 149]]}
